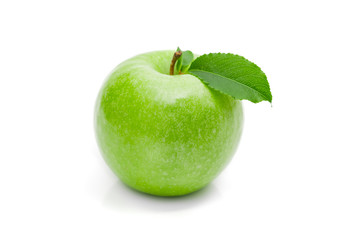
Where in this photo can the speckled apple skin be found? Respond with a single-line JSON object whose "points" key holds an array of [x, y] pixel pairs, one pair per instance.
{"points": [[164, 135]]}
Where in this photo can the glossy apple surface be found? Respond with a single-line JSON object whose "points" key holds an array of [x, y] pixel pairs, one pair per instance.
{"points": [[161, 134]]}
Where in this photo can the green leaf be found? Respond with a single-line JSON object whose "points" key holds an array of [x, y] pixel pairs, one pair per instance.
{"points": [[184, 61], [187, 57], [178, 65], [233, 75]]}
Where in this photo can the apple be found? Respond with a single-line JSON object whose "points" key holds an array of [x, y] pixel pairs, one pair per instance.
{"points": [[163, 134]]}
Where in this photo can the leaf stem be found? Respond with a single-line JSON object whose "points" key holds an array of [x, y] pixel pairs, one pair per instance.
{"points": [[176, 56]]}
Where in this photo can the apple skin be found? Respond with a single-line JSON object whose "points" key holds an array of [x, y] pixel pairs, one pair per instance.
{"points": [[161, 134]]}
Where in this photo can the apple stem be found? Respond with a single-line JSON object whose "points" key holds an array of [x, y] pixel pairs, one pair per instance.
{"points": [[176, 56]]}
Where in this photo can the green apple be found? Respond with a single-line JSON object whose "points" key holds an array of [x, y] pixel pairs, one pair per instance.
{"points": [[162, 134]]}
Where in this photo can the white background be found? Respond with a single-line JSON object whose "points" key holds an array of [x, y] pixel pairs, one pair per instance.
{"points": [[296, 172]]}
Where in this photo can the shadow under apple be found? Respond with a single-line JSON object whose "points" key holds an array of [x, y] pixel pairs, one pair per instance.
{"points": [[124, 198]]}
